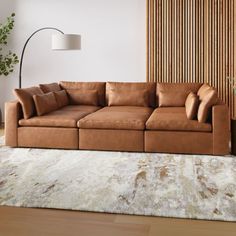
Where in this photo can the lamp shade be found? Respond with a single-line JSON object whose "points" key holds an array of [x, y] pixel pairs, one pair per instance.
{"points": [[66, 42]]}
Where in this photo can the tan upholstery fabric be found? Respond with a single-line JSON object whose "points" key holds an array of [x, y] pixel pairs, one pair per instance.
{"points": [[124, 98], [84, 86], [61, 98], [174, 94], [178, 142], [59, 118], [25, 97], [47, 88], [41, 137], [174, 119], [209, 98], [113, 140], [191, 106], [221, 129], [202, 90], [13, 112], [45, 103], [132, 87], [117, 117], [84, 97]]}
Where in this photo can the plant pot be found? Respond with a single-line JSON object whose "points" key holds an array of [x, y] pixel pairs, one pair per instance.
{"points": [[233, 136]]}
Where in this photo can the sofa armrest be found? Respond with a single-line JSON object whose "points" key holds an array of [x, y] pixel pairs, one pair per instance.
{"points": [[221, 129], [13, 113]]}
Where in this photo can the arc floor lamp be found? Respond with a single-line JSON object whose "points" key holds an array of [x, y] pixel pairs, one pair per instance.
{"points": [[59, 42]]}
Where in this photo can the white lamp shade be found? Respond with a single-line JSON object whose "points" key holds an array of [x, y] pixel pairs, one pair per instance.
{"points": [[66, 42]]}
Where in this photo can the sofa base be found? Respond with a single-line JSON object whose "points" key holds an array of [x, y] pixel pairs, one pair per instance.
{"points": [[179, 142], [116, 140], [111, 140], [43, 137]]}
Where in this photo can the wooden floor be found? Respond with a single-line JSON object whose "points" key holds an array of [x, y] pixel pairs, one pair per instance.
{"points": [[46, 222]]}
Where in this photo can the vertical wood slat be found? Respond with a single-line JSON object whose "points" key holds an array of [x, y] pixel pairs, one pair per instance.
{"points": [[147, 39], [193, 41]]}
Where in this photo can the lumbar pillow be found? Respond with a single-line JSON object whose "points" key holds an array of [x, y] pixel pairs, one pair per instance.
{"points": [[128, 98], [47, 88], [61, 98], [25, 97], [171, 99], [208, 99], [191, 106], [45, 103], [83, 97]]}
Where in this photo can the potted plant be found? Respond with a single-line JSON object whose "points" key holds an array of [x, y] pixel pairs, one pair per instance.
{"points": [[9, 59]]}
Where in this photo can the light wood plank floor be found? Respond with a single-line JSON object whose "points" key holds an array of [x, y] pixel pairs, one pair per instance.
{"points": [[46, 222]]}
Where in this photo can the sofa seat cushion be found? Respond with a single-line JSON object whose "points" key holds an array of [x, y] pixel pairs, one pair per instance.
{"points": [[85, 108], [117, 117], [65, 117], [175, 119]]}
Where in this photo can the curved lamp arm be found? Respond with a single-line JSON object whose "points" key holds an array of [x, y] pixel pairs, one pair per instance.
{"points": [[23, 51]]}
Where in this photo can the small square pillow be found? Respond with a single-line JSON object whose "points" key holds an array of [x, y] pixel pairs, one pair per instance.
{"points": [[45, 103], [61, 98], [209, 99], [191, 106], [47, 88], [25, 97], [83, 97], [128, 98]]}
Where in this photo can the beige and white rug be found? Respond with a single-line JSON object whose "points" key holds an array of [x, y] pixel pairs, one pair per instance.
{"points": [[186, 186]]}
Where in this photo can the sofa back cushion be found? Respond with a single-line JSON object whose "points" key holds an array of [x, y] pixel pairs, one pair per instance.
{"points": [[61, 98], [45, 103], [208, 99], [86, 86], [123, 98], [191, 106], [25, 97], [132, 91], [53, 87], [174, 94], [83, 97]]}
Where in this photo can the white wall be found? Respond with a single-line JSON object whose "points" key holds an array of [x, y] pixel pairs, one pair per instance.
{"points": [[113, 41]]}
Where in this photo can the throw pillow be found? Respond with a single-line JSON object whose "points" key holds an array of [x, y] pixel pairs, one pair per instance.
{"points": [[47, 88], [45, 103], [128, 98], [202, 90], [208, 99], [172, 99], [25, 97], [61, 98], [83, 97], [191, 106]]}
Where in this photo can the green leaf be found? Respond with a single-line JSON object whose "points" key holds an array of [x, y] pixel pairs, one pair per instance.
{"points": [[8, 61]]}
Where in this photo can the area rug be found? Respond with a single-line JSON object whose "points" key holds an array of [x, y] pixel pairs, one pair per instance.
{"points": [[184, 186]]}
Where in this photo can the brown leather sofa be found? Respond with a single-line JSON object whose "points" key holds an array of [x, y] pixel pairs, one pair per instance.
{"points": [[139, 117]]}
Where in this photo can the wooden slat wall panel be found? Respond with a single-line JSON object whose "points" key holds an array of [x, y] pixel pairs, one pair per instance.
{"points": [[193, 41]]}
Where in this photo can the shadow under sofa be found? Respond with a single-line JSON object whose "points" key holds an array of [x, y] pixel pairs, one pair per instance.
{"points": [[139, 117]]}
